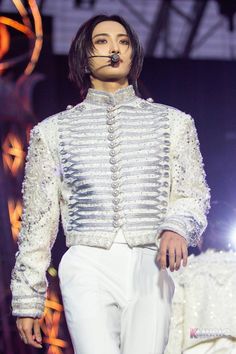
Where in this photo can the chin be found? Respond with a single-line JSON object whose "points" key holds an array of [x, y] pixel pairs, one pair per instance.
{"points": [[115, 75]]}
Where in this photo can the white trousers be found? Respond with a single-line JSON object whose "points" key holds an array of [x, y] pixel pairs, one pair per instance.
{"points": [[116, 301]]}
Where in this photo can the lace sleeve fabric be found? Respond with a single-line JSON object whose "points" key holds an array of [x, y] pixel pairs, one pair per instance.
{"points": [[39, 227], [209, 286], [189, 201]]}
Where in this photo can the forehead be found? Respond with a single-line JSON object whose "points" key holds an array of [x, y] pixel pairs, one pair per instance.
{"points": [[109, 27]]}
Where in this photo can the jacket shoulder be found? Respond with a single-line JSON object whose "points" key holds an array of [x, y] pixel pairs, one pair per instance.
{"points": [[48, 123], [176, 116], [48, 126], [47, 131]]}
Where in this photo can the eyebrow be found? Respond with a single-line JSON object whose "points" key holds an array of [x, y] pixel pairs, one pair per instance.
{"points": [[106, 34]]}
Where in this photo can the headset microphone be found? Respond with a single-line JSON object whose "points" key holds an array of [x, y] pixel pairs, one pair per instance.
{"points": [[115, 58]]}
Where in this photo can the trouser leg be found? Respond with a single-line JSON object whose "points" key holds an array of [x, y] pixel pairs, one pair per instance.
{"points": [[146, 317], [92, 315], [116, 301]]}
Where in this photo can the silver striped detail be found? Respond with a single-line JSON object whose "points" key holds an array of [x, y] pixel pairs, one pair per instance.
{"points": [[89, 160]]}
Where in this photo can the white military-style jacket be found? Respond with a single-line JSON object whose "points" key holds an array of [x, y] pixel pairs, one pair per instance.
{"points": [[113, 161]]}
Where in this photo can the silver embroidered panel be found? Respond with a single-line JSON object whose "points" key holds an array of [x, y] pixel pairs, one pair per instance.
{"points": [[116, 163]]}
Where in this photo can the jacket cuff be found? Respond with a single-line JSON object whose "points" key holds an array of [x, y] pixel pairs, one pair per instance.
{"points": [[172, 224], [31, 306]]}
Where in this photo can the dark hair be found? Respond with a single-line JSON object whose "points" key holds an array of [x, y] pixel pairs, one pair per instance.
{"points": [[82, 45]]}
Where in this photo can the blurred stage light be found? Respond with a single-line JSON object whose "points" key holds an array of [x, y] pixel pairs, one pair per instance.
{"points": [[232, 243], [35, 35], [52, 271]]}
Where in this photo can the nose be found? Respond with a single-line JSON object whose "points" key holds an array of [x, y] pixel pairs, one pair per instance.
{"points": [[114, 48]]}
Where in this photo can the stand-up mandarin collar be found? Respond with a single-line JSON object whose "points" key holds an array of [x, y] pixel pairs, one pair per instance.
{"points": [[99, 97]]}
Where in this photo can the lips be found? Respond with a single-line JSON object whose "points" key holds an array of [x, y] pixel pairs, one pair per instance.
{"points": [[116, 64]]}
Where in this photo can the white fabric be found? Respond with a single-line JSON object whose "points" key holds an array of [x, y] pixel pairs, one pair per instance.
{"points": [[116, 300], [215, 346], [120, 238], [204, 299]]}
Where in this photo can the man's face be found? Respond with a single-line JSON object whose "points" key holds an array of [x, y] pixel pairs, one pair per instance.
{"points": [[110, 37]]}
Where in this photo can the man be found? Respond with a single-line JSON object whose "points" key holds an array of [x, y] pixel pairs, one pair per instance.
{"points": [[131, 182]]}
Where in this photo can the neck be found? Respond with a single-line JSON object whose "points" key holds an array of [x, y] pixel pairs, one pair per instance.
{"points": [[108, 86]]}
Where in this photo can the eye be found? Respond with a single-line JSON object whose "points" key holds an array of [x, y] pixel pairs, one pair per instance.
{"points": [[100, 41], [125, 41]]}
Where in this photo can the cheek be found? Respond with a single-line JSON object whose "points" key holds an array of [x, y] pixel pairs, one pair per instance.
{"points": [[95, 49], [129, 54], [129, 60]]}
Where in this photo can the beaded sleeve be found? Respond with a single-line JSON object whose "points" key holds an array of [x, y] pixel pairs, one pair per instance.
{"points": [[39, 227], [189, 201]]}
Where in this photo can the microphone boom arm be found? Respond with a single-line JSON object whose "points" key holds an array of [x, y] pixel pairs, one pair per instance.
{"points": [[114, 57]]}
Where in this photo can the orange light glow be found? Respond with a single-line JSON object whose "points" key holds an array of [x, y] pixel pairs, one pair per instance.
{"points": [[4, 40], [36, 39], [15, 213], [13, 154], [50, 323]]}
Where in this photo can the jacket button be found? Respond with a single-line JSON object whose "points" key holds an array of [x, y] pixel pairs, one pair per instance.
{"points": [[114, 143], [111, 121], [110, 114], [115, 200], [111, 137], [114, 184], [114, 176], [116, 224], [112, 152], [111, 129], [110, 108], [115, 193], [114, 168], [112, 160], [116, 217]]}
